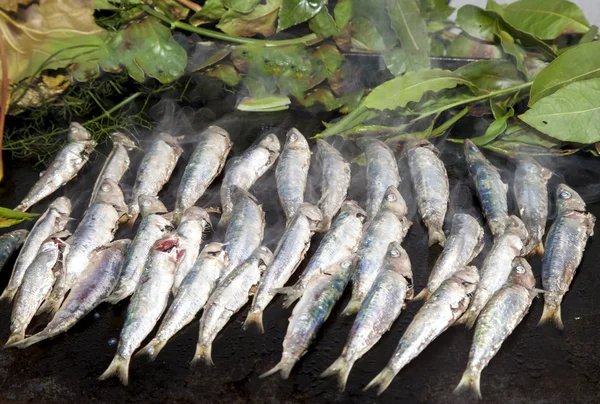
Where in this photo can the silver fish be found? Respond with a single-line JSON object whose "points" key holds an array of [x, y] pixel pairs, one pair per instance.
{"points": [[438, 313], [531, 196], [464, 244], [154, 171], [116, 164], [340, 242], [191, 296], [498, 319], [11, 242], [92, 287], [389, 224], [496, 267], [490, 189], [153, 227], [382, 306], [382, 171], [110, 193], [292, 172], [246, 229], [565, 244], [230, 295], [314, 307], [245, 170], [430, 183], [334, 183], [205, 164], [64, 167], [147, 304], [288, 255]]}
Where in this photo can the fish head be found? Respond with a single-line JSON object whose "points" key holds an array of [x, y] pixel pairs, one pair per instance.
{"points": [[121, 138], [312, 213], [170, 246], [416, 143], [78, 133], [352, 208], [110, 193], [238, 194], [363, 142], [150, 205], [295, 140], [120, 245], [216, 250], [343, 267], [396, 259], [517, 227], [472, 152], [468, 277], [217, 130], [198, 214], [271, 143], [62, 205], [264, 256], [171, 141], [568, 199], [521, 273], [324, 148], [394, 202]]}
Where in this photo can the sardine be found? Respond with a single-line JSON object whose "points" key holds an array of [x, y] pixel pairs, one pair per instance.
{"points": [[430, 183], [438, 313], [11, 242], [205, 164], [498, 319], [389, 224], [565, 244], [110, 193], [382, 306], [92, 287], [314, 307], [154, 171], [340, 243], [382, 172], [147, 304], [230, 295], [289, 253], [531, 196], [463, 246], [116, 164], [153, 227], [490, 189], [191, 296], [65, 166], [245, 170], [496, 267], [292, 172], [334, 183]]}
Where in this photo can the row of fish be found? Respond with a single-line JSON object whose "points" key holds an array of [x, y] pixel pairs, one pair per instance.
{"points": [[362, 247]]}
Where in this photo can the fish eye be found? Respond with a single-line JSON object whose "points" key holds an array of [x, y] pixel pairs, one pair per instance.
{"points": [[565, 194], [520, 269], [390, 197], [394, 253], [346, 264], [293, 137], [473, 148], [264, 249], [146, 203], [106, 187]]}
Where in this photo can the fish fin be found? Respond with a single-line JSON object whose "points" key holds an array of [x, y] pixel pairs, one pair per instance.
{"points": [[352, 307], [51, 305], [8, 295], [423, 294], [255, 317], [468, 319], [118, 367], [469, 381], [436, 237], [27, 342], [342, 368], [292, 293], [552, 313], [14, 338], [539, 249], [285, 367], [203, 353], [152, 350], [382, 380]]}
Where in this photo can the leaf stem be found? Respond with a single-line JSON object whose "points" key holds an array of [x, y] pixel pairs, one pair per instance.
{"points": [[120, 105], [4, 98], [190, 4]]}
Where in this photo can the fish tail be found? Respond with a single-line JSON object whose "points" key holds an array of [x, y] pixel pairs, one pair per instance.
{"points": [[284, 367], [424, 294], [539, 249], [292, 293], [342, 368], [177, 215], [131, 221], [51, 305], [153, 348], [255, 317], [436, 236], [27, 342], [552, 313], [382, 380], [14, 338], [353, 306], [203, 353], [469, 381], [118, 367], [8, 295]]}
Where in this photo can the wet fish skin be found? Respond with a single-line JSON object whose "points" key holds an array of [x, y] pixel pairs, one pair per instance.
{"points": [[154, 171], [498, 319], [110, 193], [491, 190], [52, 221], [65, 166], [205, 164], [340, 242], [389, 224], [314, 307], [195, 221], [292, 172], [430, 183], [565, 245], [463, 245], [244, 171], [229, 296], [382, 171], [11, 242], [148, 303], [116, 164], [382, 306], [290, 252], [496, 267], [438, 313], [92, 287], [531, 196], [334, 183], [191, 296]]}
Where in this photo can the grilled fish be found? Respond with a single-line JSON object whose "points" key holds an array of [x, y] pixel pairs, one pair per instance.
{"points": [[292, 172], [334, 183], [11, 242]]}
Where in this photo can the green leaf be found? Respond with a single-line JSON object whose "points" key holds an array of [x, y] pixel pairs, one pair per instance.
{"points": [[580, 63], [476, 22], [359, 115], [212, 10], [411, 87], [571, 114], [495, 129], [366, 36], [436, 9], [226, 73], [491, 74], [104, 5], [323, 97], [207, 54], [330, 56], [590, 35], [399, 60], [437, 47], [260, 21], [511, 47], [323, 24], [9, 217], [293, 12], [375, 11], [408, 24], [546, 19], [342, 12], [465, 46], [440, 130], [267, 104], [242, 6]]}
